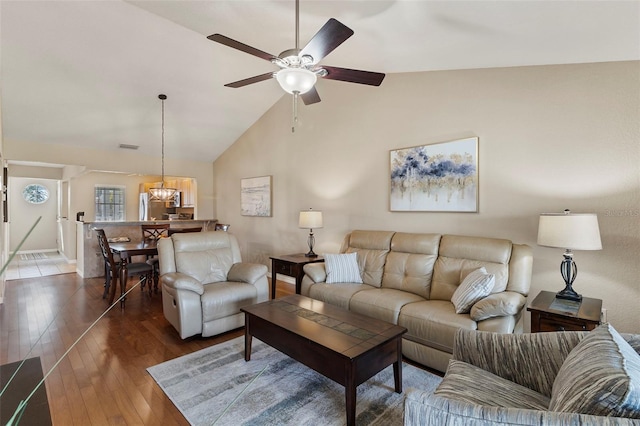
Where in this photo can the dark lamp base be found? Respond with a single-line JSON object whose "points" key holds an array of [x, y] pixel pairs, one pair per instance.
{"points": [[569, 294], [311, 254]]}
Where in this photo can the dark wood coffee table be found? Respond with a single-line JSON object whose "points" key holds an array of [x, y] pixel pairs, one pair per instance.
{"points": [[346, 347]]}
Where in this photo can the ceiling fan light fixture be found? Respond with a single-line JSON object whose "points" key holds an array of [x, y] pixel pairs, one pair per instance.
{"points": [[296, 80]]}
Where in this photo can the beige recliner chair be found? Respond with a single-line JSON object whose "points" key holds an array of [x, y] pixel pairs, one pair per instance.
{"points": [[204, 282]]}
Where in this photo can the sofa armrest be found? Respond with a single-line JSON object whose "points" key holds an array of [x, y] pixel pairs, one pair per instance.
{"points": [[248, 273], [531, 360], [501, 304], [316, 272], [181, 281]]}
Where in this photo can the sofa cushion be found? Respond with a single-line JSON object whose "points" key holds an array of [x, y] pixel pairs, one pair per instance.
{"points": [[475, 286], [468, 383], [459, 255], [600, 376], [342, 268], [336, 294], [409, 264], [382, 303], [372, 248], [433, 323]]}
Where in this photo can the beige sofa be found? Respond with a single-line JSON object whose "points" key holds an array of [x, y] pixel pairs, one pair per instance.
{"points": [[205, 283], [409, 279]]}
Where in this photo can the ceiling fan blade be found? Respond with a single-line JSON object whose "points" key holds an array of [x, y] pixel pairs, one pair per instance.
{"points": [[354, 76], [250, 80], [310, 97], [330, 36], [219, 38]]}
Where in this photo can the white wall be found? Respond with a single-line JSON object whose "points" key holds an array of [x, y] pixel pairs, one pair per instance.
{"points": [[551, 137], [22, 216]]}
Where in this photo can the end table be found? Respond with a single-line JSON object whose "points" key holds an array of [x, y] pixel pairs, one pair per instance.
{"points": [[551, 314], [290, 265]]}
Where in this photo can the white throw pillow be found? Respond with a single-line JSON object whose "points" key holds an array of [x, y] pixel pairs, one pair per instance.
{"points": [[477, 285], [342, 268]]}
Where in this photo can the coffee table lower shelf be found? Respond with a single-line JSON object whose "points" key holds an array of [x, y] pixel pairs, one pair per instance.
{"points": [[345, 347]]}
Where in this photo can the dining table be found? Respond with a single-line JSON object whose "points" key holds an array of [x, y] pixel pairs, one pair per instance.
{"points": [[126, 250]]}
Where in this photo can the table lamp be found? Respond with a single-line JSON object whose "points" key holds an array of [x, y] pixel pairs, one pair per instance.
{"points": [[310, 219], [571, 231]]}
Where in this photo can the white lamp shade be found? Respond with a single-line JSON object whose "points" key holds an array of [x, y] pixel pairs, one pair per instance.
{"points": [[574, 231], [310, 219], [298, 80]]}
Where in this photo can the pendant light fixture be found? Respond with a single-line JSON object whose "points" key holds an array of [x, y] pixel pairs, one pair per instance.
{"points": [[162, 193]]}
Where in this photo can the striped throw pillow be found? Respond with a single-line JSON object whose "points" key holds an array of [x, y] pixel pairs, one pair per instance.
{"points": [[342, 268], [600, 376], [477, 285]]}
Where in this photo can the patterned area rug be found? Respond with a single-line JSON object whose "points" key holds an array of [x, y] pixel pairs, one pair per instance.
{"points": [[215, 386]]}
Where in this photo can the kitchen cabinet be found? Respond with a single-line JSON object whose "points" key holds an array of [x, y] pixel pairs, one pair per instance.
{"points": [[189, 192]]}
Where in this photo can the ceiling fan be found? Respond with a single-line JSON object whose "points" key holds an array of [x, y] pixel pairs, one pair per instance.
{"points": [[299, 68]]}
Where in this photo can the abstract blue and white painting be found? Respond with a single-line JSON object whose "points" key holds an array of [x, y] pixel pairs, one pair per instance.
{"points": [[255, 196], [441, 177]]}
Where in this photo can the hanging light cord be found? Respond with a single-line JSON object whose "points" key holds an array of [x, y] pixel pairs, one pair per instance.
{"points": [[162, 98]]}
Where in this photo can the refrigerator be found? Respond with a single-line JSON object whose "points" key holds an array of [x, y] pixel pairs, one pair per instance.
{"points": [[154, 210]]}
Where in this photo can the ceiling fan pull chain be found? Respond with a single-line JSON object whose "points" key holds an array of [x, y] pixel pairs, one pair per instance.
{"points": [[295, 112]]}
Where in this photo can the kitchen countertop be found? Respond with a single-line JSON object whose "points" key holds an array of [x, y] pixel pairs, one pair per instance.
{"points": [[141, 222]]}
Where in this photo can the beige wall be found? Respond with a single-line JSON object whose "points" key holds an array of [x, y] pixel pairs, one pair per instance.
{"points": [[121, 161], [84, 168], [551, 137]]}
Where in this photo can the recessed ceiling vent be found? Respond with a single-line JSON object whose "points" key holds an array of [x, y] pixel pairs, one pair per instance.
{"points": [[127, 146]]}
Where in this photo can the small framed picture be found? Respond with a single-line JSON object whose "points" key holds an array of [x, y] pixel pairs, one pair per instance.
{"points": [[255, 196]]}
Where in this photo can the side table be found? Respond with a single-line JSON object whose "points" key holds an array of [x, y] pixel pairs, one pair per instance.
{"points": [[551, 314], [290, 265]]}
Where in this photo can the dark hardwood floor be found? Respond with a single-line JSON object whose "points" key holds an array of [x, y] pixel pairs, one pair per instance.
{"points": [[103, 380]]}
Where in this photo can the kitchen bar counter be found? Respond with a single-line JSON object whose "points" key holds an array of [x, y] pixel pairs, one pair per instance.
{"points": [[89, 258]]}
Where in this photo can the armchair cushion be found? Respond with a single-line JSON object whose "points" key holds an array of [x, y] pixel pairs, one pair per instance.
{"points": [[207, 266], [601, 376], [505, 355], [468, 383]]}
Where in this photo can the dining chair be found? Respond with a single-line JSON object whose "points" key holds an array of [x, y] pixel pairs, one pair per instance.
{"points": [[112, 269], [152, 233], [221, 227]]}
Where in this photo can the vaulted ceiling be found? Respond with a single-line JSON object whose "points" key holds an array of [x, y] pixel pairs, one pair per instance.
{"points": [[88, 73]]}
